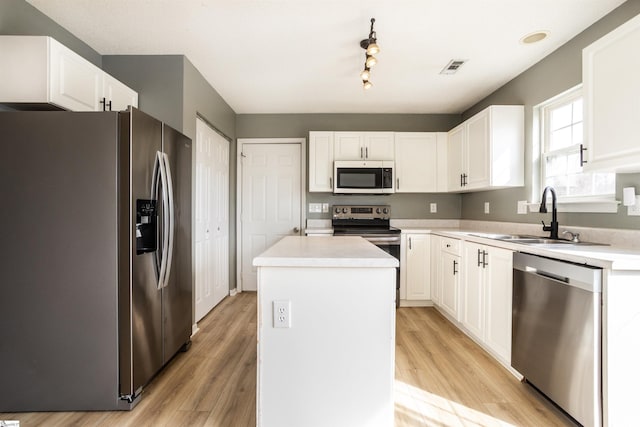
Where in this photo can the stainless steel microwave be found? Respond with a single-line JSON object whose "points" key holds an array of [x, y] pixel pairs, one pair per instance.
{"points": [[369, 177]]}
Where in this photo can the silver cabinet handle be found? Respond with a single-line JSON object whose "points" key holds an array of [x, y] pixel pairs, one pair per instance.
{"points": [[479, 258], [455, 264], [484, 259], [366, 152], [361, 155], [409, 243], [397, 183]]}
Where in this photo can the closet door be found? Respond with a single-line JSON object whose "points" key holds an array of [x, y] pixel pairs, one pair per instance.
{"points": [[211, 219]]}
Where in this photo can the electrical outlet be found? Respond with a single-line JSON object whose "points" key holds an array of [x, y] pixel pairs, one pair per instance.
{"points": [[486, 207], [522, 207], [282, 314], [635, 209], [433, 207], [325, 207]]}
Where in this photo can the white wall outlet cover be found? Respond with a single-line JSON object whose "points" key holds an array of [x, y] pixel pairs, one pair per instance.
{"points": [[522, 207], [486, 207], [282, 314], [325, 207], [635, 209], [433, 207], [315, 207]]}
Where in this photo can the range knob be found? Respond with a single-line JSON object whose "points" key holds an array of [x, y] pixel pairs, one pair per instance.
{"points": [[385, 210], [344, 210], [337, 210], [378, 210]]}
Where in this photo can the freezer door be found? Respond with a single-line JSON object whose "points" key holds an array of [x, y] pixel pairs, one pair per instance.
{"points": [[140, 331], [177, 290]]}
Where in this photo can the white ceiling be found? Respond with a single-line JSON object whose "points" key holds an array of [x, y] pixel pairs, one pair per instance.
{"points": [[303, 56]]}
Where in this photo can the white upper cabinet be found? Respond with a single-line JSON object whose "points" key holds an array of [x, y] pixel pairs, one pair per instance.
{"points": [[487, 150], [321, 161], [363, 145], [612, 100], [116, 95], [420, 162], [38, 69]]}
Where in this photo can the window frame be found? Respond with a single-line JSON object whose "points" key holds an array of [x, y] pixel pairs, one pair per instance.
{"points": [[601, 203]]}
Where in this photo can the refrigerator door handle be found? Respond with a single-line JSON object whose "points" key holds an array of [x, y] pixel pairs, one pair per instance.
{"points": [[165, 219], [156, 184], [170, 220]]}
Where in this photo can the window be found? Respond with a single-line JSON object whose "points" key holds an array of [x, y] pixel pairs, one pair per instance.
{"points": [[561, 142]]}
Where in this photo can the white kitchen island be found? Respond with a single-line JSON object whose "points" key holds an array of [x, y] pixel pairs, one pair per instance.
{"points": [[326, 359]]}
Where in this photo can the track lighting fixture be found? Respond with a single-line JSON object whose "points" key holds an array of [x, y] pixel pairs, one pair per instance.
{"points": [[370, 45]]}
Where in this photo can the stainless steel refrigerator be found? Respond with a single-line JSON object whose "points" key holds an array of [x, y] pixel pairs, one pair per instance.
{"points": [[95, 257]]}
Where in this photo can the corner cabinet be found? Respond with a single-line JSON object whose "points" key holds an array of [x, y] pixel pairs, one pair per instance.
{"points": [[420, 162], [321, 162], [487, 150], [486, 296], [39, 70], [612, 100]]}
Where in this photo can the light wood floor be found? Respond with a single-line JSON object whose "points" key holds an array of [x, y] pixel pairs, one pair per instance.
{"points": [[442, 379]]}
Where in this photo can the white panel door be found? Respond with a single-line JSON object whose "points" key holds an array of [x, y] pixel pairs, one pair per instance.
{"points": [[499, 283], [271, 185], [211, 219], [473, 288], [418, 267], [117, 94], [416, 162], [478, 150]]}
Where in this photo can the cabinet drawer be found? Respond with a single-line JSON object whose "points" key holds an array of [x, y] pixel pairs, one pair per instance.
{"points": [[450, 245]]}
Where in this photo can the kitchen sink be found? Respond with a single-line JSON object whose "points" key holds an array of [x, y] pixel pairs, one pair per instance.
{"points": [[535, 240]]}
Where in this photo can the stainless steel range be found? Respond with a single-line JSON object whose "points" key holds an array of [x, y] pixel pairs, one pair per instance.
{"points": [[372, 223]]}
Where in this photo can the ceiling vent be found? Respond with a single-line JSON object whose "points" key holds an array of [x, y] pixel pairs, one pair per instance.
{"points": [[453, 66]]}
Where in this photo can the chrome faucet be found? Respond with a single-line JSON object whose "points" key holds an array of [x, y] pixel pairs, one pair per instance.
{"points": [[553, 227]]}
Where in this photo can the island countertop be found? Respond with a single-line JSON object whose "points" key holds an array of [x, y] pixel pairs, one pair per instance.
{"points": [[334, 251]]}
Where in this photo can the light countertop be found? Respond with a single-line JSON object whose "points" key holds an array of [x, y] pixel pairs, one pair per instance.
{"points": [[333, 251]]}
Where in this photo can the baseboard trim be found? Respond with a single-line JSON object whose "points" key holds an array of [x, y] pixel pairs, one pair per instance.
{"points": [[233, 292], [194, 329], [417, 303]]}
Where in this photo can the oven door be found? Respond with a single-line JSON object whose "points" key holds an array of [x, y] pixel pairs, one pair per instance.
{"points": [[391, 245]]}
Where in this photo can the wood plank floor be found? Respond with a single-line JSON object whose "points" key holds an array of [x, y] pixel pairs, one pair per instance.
{"points": [[442, 379]]}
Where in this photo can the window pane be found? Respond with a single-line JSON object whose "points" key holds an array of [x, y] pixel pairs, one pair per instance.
{"points": [[555, 166], [577, 111], [577, 133], [573, 163], [559, 184], [560, 139], [561, 117], [604, 183]]}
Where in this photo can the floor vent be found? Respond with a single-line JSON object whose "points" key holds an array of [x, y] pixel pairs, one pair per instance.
{"points": [[453, 66]]}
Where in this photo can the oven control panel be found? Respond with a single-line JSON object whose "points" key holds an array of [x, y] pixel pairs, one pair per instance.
{"points": [[361, 212]]}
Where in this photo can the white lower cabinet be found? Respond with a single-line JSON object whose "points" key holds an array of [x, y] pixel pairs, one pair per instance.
{"points": [[486, 296], [446, 262], [415, 274]]}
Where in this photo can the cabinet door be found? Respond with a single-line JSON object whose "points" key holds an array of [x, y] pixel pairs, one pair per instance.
{"points": [[321, 161], [416, 162], [117, 94], [611, 96], [379, 146], [418, 267], [455, 146], [473, 288], [498, 285], [75, 83], [477, 150], [436, 276], [450, 279], [348, 146]]}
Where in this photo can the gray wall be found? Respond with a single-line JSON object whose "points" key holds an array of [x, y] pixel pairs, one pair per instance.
{"points": [[17, 17], [298, 126], [559, 71], [159, 81]]}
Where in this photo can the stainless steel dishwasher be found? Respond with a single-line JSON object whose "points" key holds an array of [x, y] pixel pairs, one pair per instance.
{"points": [[556, 334]]}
